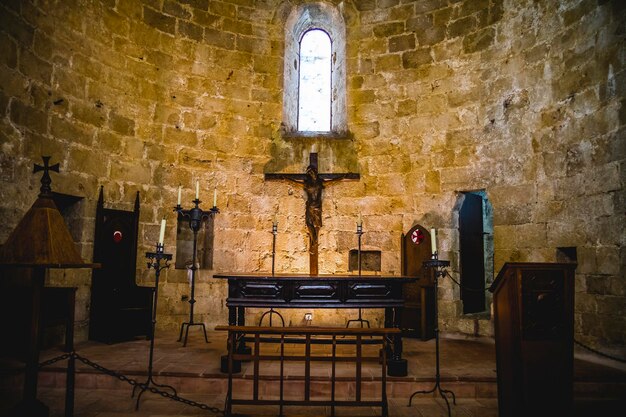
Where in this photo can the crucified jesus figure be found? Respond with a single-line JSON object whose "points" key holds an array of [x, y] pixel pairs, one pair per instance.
{"points": [[313, 184]]}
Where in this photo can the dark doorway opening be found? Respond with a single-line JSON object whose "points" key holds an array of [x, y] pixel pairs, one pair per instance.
{"points": [[472, 252]]}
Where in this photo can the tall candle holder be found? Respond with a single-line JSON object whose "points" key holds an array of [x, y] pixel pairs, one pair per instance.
{"points": [[359, 233], [154, 262], [196, 217], [439, 267], [271, 311], [274, 233]]}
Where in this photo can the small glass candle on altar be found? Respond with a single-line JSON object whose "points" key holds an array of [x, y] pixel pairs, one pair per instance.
{"points": [[433, 241]]}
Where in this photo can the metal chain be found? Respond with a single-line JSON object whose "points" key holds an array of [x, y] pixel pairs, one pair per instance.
{"points": [[132, 382], [465, 287], [54, 360], [597, 352]]}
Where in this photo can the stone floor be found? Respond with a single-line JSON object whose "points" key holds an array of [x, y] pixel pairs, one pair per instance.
{"points": [[467, 368]]}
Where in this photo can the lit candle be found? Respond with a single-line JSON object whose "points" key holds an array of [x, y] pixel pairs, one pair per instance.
{"points": [[215, 197], [179, 194], [162, 233], [360, 221], [433, 241], [197, 189]]}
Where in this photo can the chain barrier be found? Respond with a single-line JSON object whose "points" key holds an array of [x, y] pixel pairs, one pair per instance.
{"points": [[597, 352], [132, 382], [55, 360]]}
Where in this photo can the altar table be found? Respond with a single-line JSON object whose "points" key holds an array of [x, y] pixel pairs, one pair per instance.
{"points": [[321, 291]]}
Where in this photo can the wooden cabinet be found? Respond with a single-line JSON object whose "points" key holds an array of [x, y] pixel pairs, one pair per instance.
{"points": [[534, 331]]}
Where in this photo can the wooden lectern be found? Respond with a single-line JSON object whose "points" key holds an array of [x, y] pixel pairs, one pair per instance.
{"points": [[534, 329]]}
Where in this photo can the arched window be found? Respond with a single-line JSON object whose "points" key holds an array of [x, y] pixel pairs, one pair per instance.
{"points": [[314, 101], [305, 109]]}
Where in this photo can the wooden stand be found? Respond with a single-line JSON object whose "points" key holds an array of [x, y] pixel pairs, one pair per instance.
{"points": [[534, 330]]}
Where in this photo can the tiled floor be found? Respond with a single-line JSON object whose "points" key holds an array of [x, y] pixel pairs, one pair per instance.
{"points": [[467, 368]]}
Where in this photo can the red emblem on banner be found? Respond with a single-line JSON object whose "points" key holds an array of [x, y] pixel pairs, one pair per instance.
{"points": [[117, 236]]}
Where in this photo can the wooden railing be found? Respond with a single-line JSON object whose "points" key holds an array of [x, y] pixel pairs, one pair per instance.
{"points": [[307, 336]]}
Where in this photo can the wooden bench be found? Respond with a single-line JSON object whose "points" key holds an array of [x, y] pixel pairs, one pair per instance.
{"points": [[307, 336]]}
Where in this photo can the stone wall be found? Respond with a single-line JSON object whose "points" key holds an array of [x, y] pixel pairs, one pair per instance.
{"points": [[523, 99]]}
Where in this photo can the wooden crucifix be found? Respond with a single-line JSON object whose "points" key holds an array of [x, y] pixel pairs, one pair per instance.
{"points": [[313, 184]]}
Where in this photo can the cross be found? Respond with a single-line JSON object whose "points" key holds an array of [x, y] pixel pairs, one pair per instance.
{"points": [[313, 184], [45, 190]]}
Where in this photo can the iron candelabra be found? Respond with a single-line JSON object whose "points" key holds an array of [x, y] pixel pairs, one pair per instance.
{"points": [[359, 233], [271, 311], [439, 267], [274, 233], [154, 262], [196, 217]]}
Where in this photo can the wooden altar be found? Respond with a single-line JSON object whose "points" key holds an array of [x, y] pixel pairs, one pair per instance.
{"points": [[321, 291]]}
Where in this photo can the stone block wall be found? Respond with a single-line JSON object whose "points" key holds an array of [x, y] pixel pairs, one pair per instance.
{"points": [[521, 99]]}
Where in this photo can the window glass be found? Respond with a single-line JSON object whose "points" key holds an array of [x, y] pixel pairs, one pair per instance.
{"points": [[314, 100]]}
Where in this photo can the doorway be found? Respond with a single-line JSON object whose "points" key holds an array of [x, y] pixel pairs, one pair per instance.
{"points": [[476, 249]]}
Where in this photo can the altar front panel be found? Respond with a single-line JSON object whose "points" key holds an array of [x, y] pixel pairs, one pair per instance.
{"points": [[305, 291], [320, 291]]}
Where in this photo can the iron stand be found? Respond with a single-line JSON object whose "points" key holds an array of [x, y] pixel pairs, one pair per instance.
{"points": [[155, 262], [359, 232], [271, 311], [196, 217], [439, 266]]}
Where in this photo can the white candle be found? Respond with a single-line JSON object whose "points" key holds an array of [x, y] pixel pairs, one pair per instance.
{"points": [[179, 194], [314, 148], [197, 189], [433, 241], [215, 197], [162, 233], [360, 221]]}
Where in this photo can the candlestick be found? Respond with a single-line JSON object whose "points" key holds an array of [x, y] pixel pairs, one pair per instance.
{"points": [[433, 241], [438, 266], [196, 217], [197, 189], [179, 193], [155, 259], [162, 233], [274, 233]]}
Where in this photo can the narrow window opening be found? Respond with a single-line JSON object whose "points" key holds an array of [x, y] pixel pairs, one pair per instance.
{"points": [[314, 99]]}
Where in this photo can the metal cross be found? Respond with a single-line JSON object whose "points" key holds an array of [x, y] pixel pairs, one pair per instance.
{"points": [[45, 190]]}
